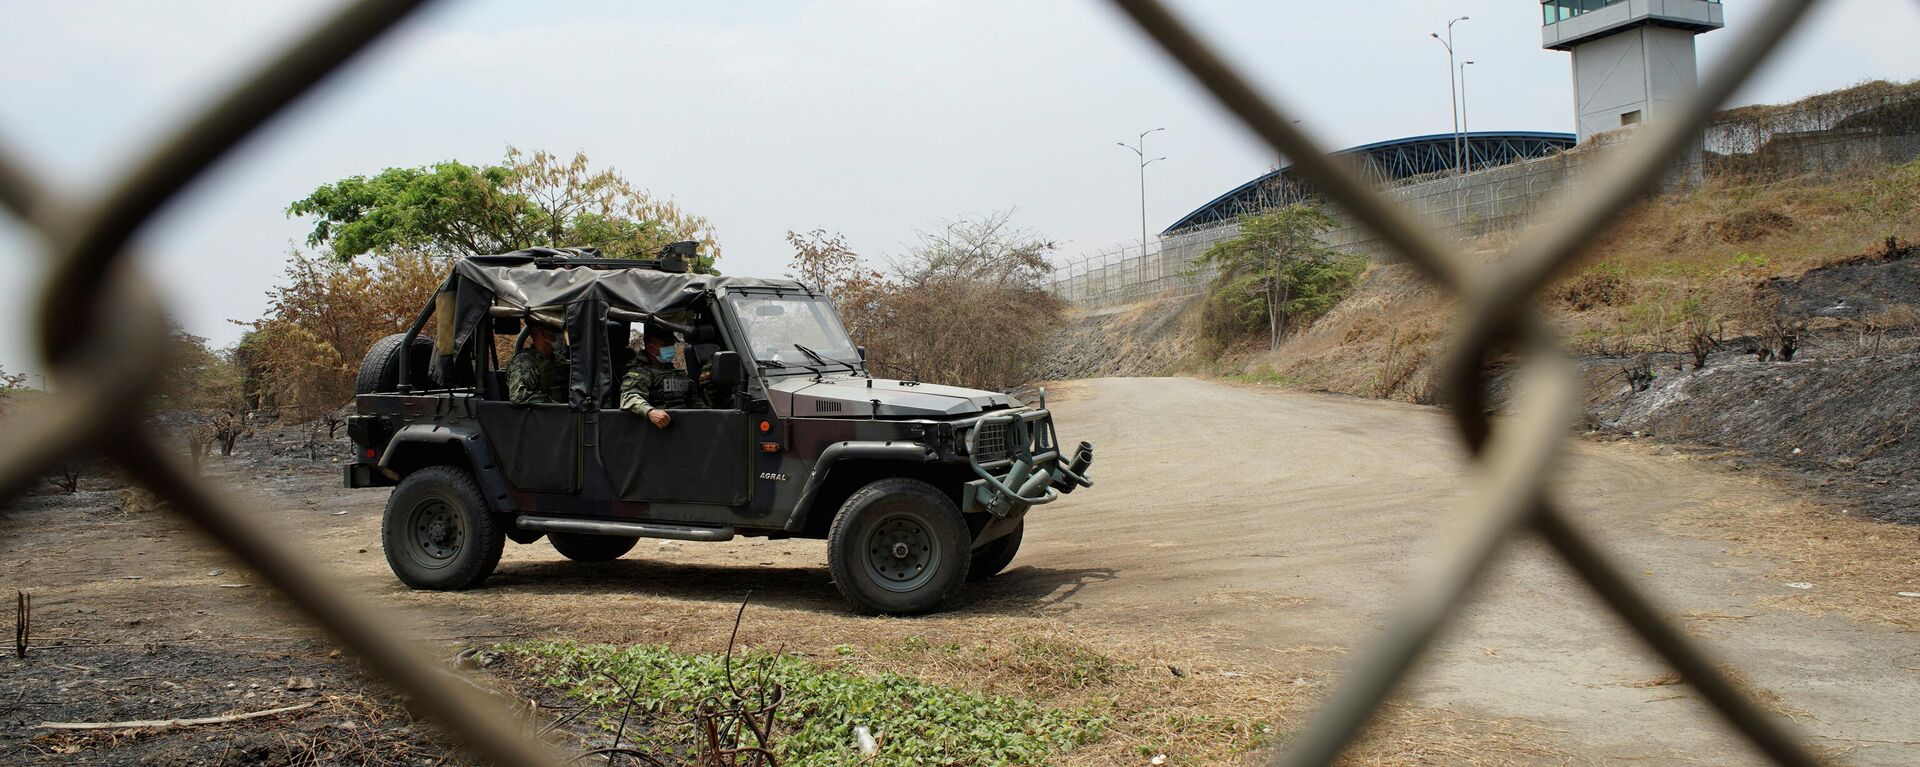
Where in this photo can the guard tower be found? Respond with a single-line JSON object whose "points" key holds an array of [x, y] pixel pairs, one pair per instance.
{"points": [[1632, 59]]}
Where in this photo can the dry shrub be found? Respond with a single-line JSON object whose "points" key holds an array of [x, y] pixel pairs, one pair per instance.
{"points": [[967, 305], [305, 352], [1753, 224], [1592, 288], [139, 500], [1894, 318], [1385, 341]]}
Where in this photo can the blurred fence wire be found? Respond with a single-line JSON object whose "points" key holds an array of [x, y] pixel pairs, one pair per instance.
{"points": [[101, 330]]}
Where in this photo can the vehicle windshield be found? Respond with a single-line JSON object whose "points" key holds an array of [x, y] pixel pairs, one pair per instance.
{"points": [[778, 326]]}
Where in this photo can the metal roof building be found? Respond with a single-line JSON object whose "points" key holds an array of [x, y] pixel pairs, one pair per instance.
{"points": [[1384, 162]]}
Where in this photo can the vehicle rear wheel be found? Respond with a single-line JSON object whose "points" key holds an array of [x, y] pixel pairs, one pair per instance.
{"points": [[591, 548], [438, 533], [898, 547], [990, 559]]}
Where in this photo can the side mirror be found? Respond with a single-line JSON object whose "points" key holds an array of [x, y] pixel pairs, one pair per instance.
{"points": [[862, 350], [727, 370]]}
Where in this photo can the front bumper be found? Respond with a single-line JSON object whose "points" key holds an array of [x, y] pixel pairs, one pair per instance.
{"points": [[1032, 470]]}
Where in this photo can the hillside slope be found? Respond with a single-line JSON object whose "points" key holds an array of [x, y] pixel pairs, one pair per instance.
{"points": [[1780, 318]]}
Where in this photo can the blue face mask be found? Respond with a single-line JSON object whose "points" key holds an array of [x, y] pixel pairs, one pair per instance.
{"points": [[666, 354]]}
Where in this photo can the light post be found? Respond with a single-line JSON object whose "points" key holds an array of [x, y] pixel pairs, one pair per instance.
{"points": [[1139, 148], [1466, 145], [1453, 86]]}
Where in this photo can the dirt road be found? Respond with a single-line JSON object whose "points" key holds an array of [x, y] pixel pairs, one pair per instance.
{"points": [[1285, 519], [1271, 528]]}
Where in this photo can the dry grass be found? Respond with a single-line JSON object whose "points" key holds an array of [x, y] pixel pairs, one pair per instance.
{"points": [[1407, 736], [1693, 256], [1379, 342], [1857, 567]]}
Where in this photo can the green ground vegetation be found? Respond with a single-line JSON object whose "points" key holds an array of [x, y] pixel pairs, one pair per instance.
{"points": [[917, 723]]}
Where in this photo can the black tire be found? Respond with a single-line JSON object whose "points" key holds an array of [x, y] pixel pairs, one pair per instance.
{"points": [[591, 548], [438, 533], [380, 369], [872, 554], [990, 559]]}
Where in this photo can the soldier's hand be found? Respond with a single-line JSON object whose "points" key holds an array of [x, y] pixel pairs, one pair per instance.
{"points": [[659, 417], [706, 376]]}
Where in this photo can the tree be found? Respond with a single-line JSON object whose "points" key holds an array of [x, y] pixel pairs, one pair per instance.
{"points": [[198, 377], [10, 384], [528, 200], [967, 304], [859, 292], [973, 305], [319, 325], [1277, 272]]}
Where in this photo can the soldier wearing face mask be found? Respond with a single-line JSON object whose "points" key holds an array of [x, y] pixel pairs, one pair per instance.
{"points": [[653, 385]]}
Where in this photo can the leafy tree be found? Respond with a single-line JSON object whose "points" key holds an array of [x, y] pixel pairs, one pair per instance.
{"points": [[199, 377], [529, 199], [1277, 273]]}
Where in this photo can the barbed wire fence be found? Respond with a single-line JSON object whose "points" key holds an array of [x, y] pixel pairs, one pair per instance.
{"points": [[101, 329], [1865, 126]]}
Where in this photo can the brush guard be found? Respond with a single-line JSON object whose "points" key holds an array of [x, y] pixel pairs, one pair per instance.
{"points": [[1031, 478]]}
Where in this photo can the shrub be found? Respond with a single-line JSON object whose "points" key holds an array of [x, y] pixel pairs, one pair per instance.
{"points": [[966, 305], [304, 353], [1276, 275]]}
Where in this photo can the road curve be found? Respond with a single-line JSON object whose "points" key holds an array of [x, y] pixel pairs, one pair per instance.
{"points": [[1265, 520]]}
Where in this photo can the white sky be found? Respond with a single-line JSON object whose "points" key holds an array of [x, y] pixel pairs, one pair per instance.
{"points": [[867, 117]]}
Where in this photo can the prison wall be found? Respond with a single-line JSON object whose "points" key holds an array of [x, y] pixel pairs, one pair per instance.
{"points": [[1870, 125]]}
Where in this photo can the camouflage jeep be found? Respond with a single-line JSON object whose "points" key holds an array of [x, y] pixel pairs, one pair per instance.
{"points": [[916, 487]]}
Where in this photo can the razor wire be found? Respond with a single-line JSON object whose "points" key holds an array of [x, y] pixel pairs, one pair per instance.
{"points": [[101, 331]]}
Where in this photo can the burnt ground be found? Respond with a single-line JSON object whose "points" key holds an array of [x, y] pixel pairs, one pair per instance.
{"points": [[345, 722], [169, 629], [1836, 419]]}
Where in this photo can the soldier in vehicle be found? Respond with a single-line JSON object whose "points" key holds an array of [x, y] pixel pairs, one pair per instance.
{"points": [[654, 384], [538, 374]]}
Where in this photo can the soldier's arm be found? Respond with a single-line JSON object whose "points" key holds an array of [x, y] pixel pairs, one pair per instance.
{"points": [[523, 384], [633, 392]]}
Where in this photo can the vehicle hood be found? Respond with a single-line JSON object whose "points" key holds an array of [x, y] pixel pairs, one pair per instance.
{"points": [[847, 396]]}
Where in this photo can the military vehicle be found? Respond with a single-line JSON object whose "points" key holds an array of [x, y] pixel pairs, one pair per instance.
{"points": [[916, 487]]}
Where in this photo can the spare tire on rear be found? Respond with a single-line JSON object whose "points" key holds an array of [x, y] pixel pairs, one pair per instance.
{"points": [[380, 369]]}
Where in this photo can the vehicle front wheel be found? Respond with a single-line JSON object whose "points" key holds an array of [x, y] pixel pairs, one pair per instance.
{"points": [[591, 548], [990, 559], [898, 547], [438, 533]]}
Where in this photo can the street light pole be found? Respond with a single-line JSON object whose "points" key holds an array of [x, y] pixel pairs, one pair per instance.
{"points": [[1464, 143], [1453, 86], [1139, 148]]}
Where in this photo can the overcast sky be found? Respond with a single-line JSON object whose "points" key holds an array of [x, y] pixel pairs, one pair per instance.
{"points": [[868, 118]]}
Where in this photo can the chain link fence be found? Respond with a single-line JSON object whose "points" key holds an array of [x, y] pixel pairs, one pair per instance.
{"points": [[102, 330]]}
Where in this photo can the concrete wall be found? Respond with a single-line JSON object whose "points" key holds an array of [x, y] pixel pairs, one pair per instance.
{"points": [[1463, 207], [1649, 70]]}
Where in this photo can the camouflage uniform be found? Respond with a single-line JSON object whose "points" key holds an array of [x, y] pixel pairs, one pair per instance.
{"points": [[647, 385], [533, 378]]}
